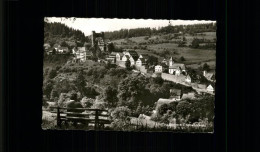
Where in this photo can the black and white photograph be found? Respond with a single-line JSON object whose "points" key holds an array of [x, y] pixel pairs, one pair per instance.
{"points": [[129, 74]]}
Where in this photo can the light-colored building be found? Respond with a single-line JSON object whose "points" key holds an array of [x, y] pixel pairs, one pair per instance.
{"points": [[210, 88], [158, 68], [188, 79], [177, 69], [81, 54], [141, 62], [125, 58], [130, 58], [63, 50], [119, 56], [171, 62]]}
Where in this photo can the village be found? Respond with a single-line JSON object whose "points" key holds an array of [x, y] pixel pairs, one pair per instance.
{"points": [[168, 69], [141, 66]]}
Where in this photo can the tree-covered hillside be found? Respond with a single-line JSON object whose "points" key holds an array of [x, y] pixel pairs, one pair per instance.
{"points": [[190, 29], [58, 33]]}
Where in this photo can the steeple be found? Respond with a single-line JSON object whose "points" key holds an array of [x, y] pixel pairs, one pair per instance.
{"points": [[171, 61]]}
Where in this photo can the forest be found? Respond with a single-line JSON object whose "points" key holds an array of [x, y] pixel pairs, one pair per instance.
{"points": [[190, 29]]}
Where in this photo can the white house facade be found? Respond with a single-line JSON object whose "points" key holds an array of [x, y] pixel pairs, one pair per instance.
{"points": [[210, 88], [158, 68], [119, 56]]}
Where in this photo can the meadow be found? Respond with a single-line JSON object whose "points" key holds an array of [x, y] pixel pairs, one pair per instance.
{"points": [[194, 58]]}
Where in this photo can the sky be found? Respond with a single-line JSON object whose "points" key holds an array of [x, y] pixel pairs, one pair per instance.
{"points": [[87, 25]]}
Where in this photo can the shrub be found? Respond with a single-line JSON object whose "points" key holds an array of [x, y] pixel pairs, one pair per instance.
{"points": [[121, 119], [183, 108], [182, 58]]}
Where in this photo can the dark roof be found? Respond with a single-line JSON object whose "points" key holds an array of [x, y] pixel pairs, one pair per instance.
{"points": [[127, 56], [133, 53], [135, 57]]}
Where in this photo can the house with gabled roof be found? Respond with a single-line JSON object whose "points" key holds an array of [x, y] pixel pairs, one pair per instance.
{"points": [[158, 68], [177, 68], [81, 54], [141, 62], [210, 88], [130, 58], [119, 56], [210, 75]]}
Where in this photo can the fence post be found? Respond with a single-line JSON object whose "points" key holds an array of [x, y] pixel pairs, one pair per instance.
{"points": [[96, 119], [58, 117]]}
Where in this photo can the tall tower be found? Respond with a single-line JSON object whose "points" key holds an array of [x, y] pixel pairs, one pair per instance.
{"points": [[171, 62], [93, 38]]}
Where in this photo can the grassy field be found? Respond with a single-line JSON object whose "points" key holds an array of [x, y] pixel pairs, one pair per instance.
{"points": [[193, 57]]}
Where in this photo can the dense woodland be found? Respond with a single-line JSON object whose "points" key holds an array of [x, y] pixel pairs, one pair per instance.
{"points": [[190, 29], [54, 32], [57, 29]]}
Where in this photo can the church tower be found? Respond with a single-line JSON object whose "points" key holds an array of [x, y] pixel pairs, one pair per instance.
{"points": [[171, 62]]}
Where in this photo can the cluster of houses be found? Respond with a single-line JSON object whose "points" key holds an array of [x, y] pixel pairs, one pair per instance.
{"points": [[167, 68], [140, 60], [81, 54], [56, 49]]}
